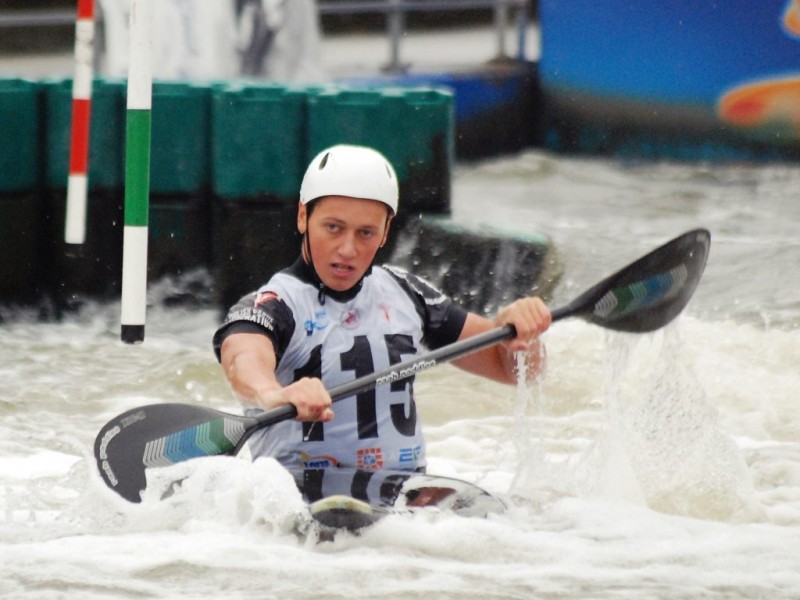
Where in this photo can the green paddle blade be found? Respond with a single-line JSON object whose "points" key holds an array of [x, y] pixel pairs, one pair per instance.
{"points": [[649, 293], [160, 435]]}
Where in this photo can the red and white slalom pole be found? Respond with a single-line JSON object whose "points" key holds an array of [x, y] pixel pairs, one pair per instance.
{"points": [[137, 173], [77, 181]]}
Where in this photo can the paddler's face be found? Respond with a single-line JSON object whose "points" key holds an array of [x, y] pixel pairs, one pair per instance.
{"points": [[344, 236]]}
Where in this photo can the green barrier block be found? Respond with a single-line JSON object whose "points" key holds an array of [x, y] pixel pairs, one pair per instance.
{"points": [[22, 269], [258, 141], [19, 135], [79, 272], [181, 129], [252, 240], [482, 268], [431, 114], [106, 133], [179, 236], [350, 117], [413, 128]]}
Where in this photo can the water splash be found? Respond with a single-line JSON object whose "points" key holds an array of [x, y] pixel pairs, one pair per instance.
{"points": [[682, 459], [660, 444]]}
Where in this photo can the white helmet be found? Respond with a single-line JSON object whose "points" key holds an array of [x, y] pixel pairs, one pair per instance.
{"points": [[353, 171]]}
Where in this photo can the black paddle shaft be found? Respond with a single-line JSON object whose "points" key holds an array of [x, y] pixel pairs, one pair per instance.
{"points": [[642, 297]]}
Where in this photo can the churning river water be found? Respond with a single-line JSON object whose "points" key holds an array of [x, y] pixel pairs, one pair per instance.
{"points": [[664, 465]]}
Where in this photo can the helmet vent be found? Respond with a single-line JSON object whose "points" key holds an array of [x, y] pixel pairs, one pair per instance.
{"points": [[324, 161]]}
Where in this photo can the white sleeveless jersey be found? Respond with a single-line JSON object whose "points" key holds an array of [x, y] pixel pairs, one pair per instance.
{"points": [[392, 317]]}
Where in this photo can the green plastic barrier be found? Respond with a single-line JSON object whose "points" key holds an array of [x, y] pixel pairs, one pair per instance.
{"points": [[20, 205], [181, 138], [19, 135], [21, 268], [106, 133], [258, 141], [413, 128], [252, 240]]}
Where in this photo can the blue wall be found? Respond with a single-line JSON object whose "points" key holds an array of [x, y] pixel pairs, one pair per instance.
{"points": [[676, 59]]}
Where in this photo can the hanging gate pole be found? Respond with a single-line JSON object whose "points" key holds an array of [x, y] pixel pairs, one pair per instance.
{"points": [[77, 181]]}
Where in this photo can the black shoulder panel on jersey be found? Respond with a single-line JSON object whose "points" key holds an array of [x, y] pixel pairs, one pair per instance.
{"points": [[443, 319], [258, 312]]}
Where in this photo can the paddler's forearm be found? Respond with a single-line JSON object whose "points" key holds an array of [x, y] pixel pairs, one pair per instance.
{"points": [[500, 362], [503, 365], [249, 364]]}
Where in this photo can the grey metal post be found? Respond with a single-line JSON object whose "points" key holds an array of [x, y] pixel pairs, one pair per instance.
{"points": [[396, 24], [500, 24], [522, 29]]}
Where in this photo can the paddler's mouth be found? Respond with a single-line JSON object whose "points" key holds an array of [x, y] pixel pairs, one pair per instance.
{"points": [[342, 269], [343, 276]]}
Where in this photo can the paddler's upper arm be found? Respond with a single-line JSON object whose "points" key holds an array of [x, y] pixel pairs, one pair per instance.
{"points": [[258, 313], [255, 349], [249, 362]]}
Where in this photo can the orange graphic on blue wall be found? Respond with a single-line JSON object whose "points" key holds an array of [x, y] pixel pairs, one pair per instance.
{"points": [[769, 104], [791, 18]]}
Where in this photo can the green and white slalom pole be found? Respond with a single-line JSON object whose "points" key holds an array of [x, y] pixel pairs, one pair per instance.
{"points": [[137, 173]]}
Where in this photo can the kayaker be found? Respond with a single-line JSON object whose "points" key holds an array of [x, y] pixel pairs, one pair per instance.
{"points": [[334, 316]]}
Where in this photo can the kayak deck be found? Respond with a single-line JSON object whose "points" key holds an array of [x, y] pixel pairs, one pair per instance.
{"points": [[351, 499], [344, 512]]}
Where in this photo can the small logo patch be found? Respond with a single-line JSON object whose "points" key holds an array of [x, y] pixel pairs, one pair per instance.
{"points": [[264, 297], [350, 318], [386, 312], [319, 462], [319, 322], [408, 455], [370, 459]]}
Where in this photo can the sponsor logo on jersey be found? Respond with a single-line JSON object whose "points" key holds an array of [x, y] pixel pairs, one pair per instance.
{"points": [[350, 318], [264, 297], [370, 459], [319, 322], [251, 314], [409, 455], [318, 462]]}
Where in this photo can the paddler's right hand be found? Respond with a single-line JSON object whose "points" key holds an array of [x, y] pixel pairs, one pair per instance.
{"points": [[308, 395]]}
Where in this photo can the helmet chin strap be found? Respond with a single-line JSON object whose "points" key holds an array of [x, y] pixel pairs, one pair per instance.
{"points": [[306, 252]]}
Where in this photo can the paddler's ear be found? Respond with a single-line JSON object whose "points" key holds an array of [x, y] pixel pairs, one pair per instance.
{"points": [[302, 219], [389, 218]]}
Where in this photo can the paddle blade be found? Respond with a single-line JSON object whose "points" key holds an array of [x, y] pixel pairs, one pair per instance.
{"points": [[649, 293], [160, 435]]}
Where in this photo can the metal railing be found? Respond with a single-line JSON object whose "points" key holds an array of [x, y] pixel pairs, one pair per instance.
{"points": [[395, 11], [36, 18]]}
